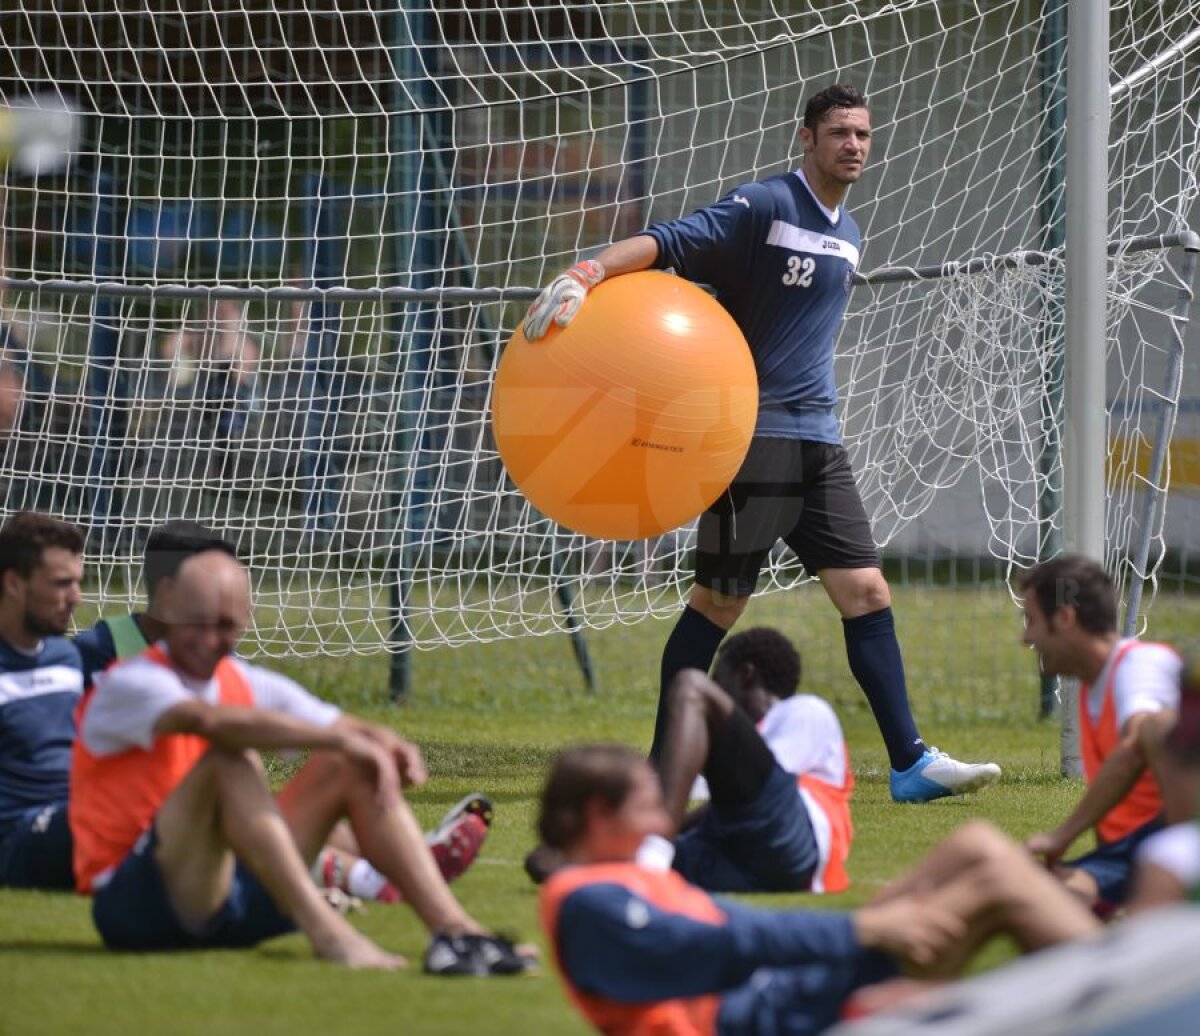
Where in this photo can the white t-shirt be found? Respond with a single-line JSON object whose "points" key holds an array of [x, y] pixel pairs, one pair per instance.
{"points": [[804, 735], [1175, 849], [1147, 680], [130, 697]]}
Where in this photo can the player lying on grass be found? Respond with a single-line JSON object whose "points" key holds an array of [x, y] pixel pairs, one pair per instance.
{"points": [[176, 834], [775, 769], [1128, 698], [41, 564], [643, 951], [458, 837]]}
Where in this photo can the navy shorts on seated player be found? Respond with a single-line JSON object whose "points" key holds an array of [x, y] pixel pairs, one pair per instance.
{"points": [[1111, 866], [133, 912], [755, 835], [35, 850]]}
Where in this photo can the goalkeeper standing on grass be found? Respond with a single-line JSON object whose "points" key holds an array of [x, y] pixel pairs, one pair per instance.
{"points": [[781, 254]]}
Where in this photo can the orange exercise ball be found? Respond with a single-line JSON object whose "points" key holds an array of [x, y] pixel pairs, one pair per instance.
{"points": [[632, 419]]}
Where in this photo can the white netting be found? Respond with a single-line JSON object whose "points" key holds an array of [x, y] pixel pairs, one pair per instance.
{"points": [[344, 441]]}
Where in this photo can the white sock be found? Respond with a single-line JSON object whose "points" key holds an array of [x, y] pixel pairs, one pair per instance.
{"points": [[655, 853], [364, 881]]}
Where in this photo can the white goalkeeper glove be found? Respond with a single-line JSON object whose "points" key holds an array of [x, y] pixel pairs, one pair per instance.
{"points": [[561, 298]]}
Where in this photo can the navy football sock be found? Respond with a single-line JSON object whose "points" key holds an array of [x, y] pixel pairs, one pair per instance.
{"points": [[874, 655], [692, 645]]}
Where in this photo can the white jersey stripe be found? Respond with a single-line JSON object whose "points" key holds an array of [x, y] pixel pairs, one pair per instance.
{"points": [[31, 683], [797, 239]]}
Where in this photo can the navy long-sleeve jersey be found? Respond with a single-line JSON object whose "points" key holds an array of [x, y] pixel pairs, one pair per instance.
{"points": [[625, 937], [38, 694], [783, 269]]}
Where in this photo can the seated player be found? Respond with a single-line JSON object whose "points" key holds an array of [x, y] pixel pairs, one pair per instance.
{"points": [[644, 952], [1168, 862], [41, 564], [455, 842], [176, 834], [1128, 698], [779, 815]]}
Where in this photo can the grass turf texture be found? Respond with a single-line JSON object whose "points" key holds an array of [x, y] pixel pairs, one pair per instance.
{"points": [[491, 719]]}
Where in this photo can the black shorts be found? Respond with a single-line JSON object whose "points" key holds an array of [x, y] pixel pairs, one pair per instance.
{"points": [[801, 492]]}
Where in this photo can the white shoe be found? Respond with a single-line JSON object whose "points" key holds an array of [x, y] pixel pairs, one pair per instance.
{"points": [[936, 775]]}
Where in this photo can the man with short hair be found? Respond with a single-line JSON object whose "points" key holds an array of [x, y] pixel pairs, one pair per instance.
{"points": [[176, 834], [775, 768], [1128, 700], [41, 564], [781, 254], [642, 951], [116, 637], [458, 837]]}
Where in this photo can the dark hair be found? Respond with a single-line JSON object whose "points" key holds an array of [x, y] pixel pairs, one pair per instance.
{"points": [[1071, 580], [27, 535], [579, 775], [840, 95], [171, 544], [771, 653]]}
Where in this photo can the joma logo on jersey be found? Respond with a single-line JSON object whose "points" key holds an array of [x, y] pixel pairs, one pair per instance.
{"points": [[830, 245]]}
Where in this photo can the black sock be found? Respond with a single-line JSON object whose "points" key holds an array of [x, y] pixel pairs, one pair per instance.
{"points": [[692, 644], [874, 655]]}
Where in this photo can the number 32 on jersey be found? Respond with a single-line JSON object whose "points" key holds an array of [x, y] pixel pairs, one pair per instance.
{"points": [[800, 270]]}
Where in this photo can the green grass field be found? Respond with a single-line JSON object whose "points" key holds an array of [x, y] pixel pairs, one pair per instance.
{"points": [[491, 721]]}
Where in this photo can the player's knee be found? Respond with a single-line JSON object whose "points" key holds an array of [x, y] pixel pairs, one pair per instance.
{"points": [[874, 593], [980, 842], [687, 691], [232, 765], [720, 609]]}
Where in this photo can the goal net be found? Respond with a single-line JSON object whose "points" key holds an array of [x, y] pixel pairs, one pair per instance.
{"points": [[270, 291]]}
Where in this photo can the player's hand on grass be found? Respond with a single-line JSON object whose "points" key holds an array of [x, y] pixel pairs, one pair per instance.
{"points": [[913, 929], [560, 300]]}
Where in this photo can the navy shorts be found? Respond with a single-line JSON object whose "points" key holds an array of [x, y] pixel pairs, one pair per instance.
{"points": [[1111, 866], [765, 845], [800, 492], [132, 910], [35, 852]]}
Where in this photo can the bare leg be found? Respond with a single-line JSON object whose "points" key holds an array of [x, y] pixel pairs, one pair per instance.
{"points": [[993, 885], [223, 808], [328, 788], [696, 709]]}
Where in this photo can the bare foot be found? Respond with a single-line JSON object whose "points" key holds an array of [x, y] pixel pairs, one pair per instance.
{"points": [[357, 951]]}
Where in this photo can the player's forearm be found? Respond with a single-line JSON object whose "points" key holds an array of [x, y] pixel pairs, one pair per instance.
{"points": [[628, 256], [238, 728]]}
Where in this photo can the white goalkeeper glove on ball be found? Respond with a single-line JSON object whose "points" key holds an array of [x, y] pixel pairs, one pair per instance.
{"points": [[561, 299]]}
